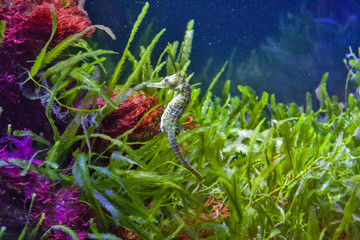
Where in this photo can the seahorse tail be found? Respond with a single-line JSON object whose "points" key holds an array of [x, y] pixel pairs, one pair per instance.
{"points": [[175, 147]]}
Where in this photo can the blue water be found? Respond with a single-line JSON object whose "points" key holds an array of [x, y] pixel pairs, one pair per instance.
{"points": [[282, 47]]}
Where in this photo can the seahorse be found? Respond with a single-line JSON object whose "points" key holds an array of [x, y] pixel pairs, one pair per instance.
{"points": [[170, 119]]}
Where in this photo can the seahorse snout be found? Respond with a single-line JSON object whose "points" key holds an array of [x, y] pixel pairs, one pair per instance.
{"points": [[156, 84]]}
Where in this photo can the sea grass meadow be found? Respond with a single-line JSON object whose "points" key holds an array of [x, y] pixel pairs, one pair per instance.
{"points": [[82, 155]]}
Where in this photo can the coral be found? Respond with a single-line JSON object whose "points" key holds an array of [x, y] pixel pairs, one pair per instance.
{"points": [[128, 115]]}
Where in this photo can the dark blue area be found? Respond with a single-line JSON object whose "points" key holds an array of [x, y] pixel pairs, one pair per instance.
{"points": [[219, 25], [292, 42]]}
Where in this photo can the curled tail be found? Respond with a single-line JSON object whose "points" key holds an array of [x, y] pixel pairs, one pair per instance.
{"points": [[175, 147]]}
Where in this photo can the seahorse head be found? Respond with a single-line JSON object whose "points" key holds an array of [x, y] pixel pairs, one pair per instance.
{"points": [[172, 82]]}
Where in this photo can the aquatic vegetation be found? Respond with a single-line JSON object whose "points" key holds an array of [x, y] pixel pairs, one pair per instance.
{"points": [[29, 24], [25, 28], [19, 187], [269, 170], [60, 207], [130, 114], [16, 191]]}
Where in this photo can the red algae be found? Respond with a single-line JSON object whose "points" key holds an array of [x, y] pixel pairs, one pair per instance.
{"points": [[60, 207], [29, 25], [28, 28], [128, 115]]}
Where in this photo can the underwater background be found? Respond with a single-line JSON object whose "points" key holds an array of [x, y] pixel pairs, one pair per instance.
{"points": [[179, 120], [282, 47]]}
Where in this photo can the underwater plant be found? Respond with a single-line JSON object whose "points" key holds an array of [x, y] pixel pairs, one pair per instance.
{"points": [[18, 188], [130, 114], [270, 170], [28, 26], [60, 207]]}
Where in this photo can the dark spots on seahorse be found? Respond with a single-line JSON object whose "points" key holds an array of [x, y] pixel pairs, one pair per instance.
{"points": [[173, 112]]}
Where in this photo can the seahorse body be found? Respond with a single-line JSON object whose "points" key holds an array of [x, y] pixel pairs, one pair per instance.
{"points": [[174, 110]]}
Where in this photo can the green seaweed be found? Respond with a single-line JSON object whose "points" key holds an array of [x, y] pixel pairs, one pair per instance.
{"points": [[67, 42], [116, 75], [145, 58], [40, 58], [60, 66], [62, 228], [82, 178], [186, 49], [215, 79], [2, 31], [276, 170]]}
